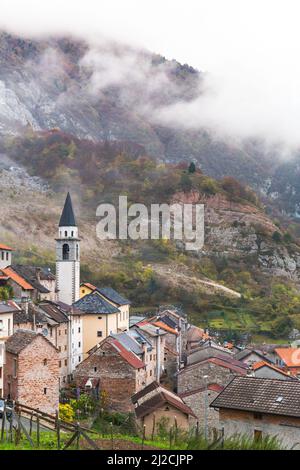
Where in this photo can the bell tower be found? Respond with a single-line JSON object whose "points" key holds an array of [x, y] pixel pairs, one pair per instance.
{"points": [[68, 256]]}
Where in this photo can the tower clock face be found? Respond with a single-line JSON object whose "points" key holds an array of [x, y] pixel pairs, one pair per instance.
{"points": [[45, 331]]}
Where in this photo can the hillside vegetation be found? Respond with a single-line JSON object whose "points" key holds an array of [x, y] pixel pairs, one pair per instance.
{"points": [[244, 251]]}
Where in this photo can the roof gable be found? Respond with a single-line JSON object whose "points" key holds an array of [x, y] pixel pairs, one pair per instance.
{"points": [[94, 303]]}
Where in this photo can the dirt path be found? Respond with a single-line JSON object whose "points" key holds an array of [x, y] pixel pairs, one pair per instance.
{"points": [[176, 276]]}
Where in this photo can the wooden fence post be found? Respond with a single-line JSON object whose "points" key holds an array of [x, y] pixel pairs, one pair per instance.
{"points": [[176, 430], [30, 424], [58, 432], [112, 436], [144, 434], [153, 427], [37, 430], [77, 436]]}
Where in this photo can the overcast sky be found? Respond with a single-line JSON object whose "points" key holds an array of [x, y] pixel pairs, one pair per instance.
{"points": [[251, 49]]}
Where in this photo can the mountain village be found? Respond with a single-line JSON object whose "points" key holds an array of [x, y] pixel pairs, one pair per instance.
{"points": [[60, 336]]}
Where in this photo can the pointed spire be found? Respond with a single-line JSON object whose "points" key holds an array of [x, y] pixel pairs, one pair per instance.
{"points": [[67, 217]]}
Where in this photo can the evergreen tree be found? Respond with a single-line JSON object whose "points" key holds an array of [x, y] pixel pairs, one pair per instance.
{"points": [[192, 167]]}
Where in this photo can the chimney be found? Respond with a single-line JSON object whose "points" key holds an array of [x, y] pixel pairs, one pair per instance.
{"points": [[38, 274]]}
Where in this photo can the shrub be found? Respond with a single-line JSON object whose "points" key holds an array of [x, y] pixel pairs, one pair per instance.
{"points": [[66, 412]]}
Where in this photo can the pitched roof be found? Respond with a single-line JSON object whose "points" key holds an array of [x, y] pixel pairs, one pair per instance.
{"points": [[22, 317], [142, 393], [290, 356], [6, 308], [165, 327], [241, 355], [21, 339], [89, 285], [259, 365], [53, 311], [129, 356], [227, 363], [168, 321], [5, 247], [150, 329], [129, 342], [16, 278], [67, 218], [159, 397], [113, 296], [214, 387], [28, 276], [270, 396], [93, 303]]}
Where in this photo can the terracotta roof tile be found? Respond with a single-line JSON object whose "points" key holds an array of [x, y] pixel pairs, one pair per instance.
{"points": [[18, 279], [259, 365], [165, 327], [290, 356], [5, 247], [131, 358]]}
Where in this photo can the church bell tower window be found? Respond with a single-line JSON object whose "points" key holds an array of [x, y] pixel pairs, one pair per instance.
{"points": [[65, 251]]}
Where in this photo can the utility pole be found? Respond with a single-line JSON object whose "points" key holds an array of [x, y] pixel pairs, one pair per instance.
{"points": [[205, 377]]}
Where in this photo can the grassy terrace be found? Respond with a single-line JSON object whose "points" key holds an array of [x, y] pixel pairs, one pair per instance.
{"points": [[126, 442]]}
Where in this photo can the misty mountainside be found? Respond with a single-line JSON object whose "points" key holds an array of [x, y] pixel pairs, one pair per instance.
{"points": [[114, 92]]}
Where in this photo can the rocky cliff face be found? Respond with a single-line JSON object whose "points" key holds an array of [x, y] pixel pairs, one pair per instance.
{"points": [[243, 231]]}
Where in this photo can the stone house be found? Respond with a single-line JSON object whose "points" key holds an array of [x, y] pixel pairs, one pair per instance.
{"points": [[266, 370], [113, 371], [258, 408], [199, 400], [31, 374], [156, 405], [30, 281], [7, 311], [53, 322], [218, 370], [251, 356]]}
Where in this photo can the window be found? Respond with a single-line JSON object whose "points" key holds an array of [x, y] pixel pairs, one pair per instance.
{"points": [[66, 362], [99, 318], [77, 251], [79, 329], [45, 391], [79, 358], [150, 373], [7, 256], [72, 234], [95, 369], [64, 380], [65, 347], [2, 254], [83, 291], [15, 366], [50, 331], [66, 233], [59, 348], [66, 332], [59, 363], [79, 344], [257, 415], [45, 362], [65, 251], [59, 332], [99, 334]]}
